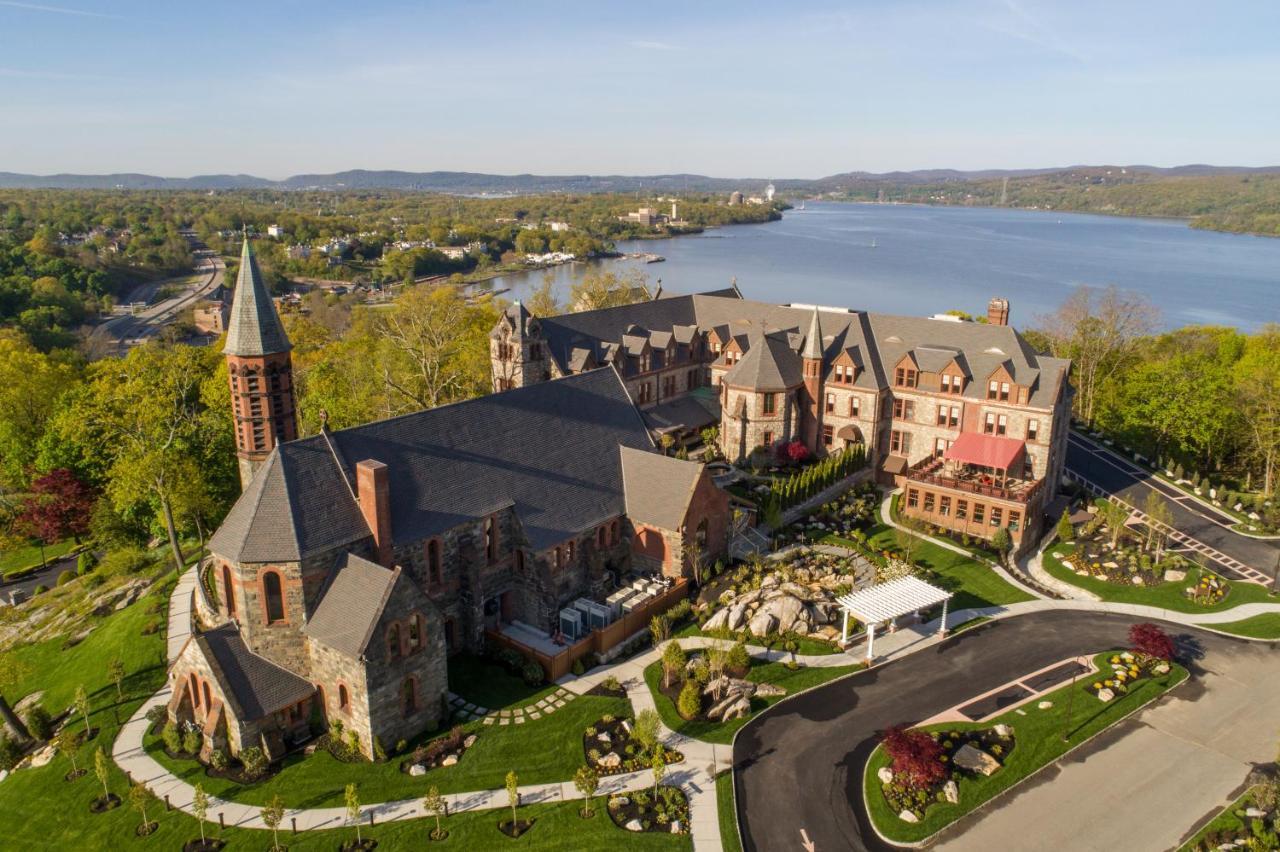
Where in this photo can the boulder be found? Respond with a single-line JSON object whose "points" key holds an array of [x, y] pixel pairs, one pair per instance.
{"points": [[675, 826], [1160, 668], [975, 760], [633, 825], [605, 738], [1255, 813], [885, 774], [951, 792], [469, 741], [620, 801], [4, 773], [738, 615], [797, 591], [784, 610], [726, 596], [719, 621], [762, 623], [417, 769], [769, 582], [1105, 695], [736, 706], [1045, 705], [767, 690], [28, 702], [908, 816], [750, 597], [610, 761], [450, 760], [1174, 576], [42, 757], [1003, 730]]}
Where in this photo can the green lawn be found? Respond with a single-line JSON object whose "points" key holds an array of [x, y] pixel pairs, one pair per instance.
{"points": [[487, 684], [542, 751], [972, 583], [1166, 595], [1038, 742], [28, 556], [761, 672], [727, 813], [1263, 626], [1226, 820]]}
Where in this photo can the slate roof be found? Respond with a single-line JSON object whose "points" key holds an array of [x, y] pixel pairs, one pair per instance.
{"points": [[253, 327], [658, 487], [688, 411], [550, 450], [768, 364], [351, 605], [256, 684]]}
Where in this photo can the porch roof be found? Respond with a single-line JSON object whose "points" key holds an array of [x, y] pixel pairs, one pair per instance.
{"points": [[884, 601], [992, 451]]}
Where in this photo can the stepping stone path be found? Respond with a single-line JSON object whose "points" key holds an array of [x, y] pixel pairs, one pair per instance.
{"points": [[467, 711]]}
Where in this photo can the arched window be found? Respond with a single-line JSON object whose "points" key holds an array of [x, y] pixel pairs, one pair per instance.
{"points": [[393, 640], [227, 591], [195, 690], [409, 696], [273, 596], [321, 699], [491, 538], [449, 638], [613, 533], [600, 534], [569, 550], [519, 560], [433, 560], [344, 698], [208, 702], [415, 632]]}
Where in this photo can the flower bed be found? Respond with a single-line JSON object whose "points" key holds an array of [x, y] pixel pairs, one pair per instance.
{"points": [[1126, 670], [984, 749], [611, 749], [666, 812], [848, 515], [1247, 824], [1127, 563], [442, 751]]}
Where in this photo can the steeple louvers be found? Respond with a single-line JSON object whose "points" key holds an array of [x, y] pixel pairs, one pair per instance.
{"points": [[813, 340], [254, 327]]}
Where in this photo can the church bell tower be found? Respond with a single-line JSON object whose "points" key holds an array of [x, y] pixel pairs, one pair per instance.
{"points": [[260, 370]]}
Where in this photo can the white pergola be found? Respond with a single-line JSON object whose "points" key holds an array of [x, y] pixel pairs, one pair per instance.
{"points": [[886, 601]]}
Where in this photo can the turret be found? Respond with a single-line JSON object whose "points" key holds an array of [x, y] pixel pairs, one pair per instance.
{"points": [[811, 361], [260, 370], [517, 352]]}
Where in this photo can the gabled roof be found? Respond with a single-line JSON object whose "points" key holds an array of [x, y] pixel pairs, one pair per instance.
{"points": [[258, 686], [769, 364], [351, 606], [658, 488], [253, 327]]}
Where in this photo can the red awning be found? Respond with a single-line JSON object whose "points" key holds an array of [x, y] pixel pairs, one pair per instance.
{"points": [[985, 450]]}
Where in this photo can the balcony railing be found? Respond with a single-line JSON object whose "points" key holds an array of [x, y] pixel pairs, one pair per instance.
{"points": [[930, 471]]}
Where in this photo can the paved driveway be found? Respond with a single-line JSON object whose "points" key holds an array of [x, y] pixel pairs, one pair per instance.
{"points": [[800, 765]]}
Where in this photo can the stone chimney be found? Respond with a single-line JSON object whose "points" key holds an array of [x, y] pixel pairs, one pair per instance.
{"points": [[373, 490], [998, 311]]}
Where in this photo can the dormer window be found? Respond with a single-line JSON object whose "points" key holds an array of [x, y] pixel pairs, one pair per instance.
{"points": [[952, 384], [905, 377]]}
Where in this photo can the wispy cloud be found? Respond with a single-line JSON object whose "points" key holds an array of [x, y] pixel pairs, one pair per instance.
{"points": [[57, 10], [1024, 26], [653, 45]]}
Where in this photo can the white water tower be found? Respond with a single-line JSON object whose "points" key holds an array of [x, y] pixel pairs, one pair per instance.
{"points": [[768, 192]]}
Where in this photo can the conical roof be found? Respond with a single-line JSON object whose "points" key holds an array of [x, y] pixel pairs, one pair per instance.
{"points": [[813, 340], [254, 327]]}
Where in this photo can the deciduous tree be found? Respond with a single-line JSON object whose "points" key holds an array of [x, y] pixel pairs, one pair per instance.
{"points": [[916, 756], [1150, 640]]}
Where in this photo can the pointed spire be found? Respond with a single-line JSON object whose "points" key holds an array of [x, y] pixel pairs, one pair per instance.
{"points": [[254, 327], [813, 340]]}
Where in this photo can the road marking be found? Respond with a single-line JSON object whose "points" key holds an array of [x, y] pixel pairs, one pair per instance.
{"points": [[805, 841]]}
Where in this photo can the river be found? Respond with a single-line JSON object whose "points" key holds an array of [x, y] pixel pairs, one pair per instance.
{"points": [[918, 260]]}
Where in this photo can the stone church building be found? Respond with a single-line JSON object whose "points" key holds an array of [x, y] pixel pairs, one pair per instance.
{"points": [[355, 561]]}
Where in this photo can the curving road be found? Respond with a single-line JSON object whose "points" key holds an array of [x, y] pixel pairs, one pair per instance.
{"points": [[799, 765]]}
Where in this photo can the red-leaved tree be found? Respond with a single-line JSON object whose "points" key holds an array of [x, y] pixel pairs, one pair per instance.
{"points": [[916, 756], [59, 507], [797, 452], [1150, 641]]}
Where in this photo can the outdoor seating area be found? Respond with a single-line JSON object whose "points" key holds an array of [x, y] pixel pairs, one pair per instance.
{"points": [[884, 603]]}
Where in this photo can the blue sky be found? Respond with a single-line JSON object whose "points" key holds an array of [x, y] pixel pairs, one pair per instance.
{"points": [[729, 89]]}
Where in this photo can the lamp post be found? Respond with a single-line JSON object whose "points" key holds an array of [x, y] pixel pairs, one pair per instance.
{"points": [[1071, 695]]}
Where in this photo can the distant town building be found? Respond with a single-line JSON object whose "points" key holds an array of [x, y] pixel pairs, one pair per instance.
{"points": [[275, 231], [558, 227], [768, 192], [299, 252], [647, 216]]}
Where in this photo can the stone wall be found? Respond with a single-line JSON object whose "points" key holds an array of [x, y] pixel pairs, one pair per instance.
{"points": [[386, 673], [740, 435]]}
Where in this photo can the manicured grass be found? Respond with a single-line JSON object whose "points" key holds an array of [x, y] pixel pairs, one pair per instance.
{"points": [[972, 583], [727, 813], [541, 751], [487, 684], [27, 557], [778, 674], [1263, 626], [1166, 595], [1039, 742], [1226, 820]]}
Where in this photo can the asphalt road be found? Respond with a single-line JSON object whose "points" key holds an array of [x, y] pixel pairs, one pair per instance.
{"points": [[1202, 523], [799, 765]]}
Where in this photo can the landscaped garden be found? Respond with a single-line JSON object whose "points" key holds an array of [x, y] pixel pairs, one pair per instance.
{"points": [[714, 692], [1250, 822], [920, 781]]}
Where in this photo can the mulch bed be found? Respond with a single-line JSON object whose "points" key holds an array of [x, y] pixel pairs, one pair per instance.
{"points": [[630, 754], [601, 691], [147, 830], [432, 754], [364, 844], [514, 830], [209, 844], [75, 774], [103, 804], [444, 835], [640, 808]]}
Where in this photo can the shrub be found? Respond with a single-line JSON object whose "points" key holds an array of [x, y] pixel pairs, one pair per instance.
{"points": [[915, 754], [1065, 531], [172, 738], [218, 759], [402, 746], [40, 589], [673, 662], [125, 560], [39, 723], [612, 684], [738, 659], [690, 701], [10, 752], [157, 714], [66, 577], [1002, 542], [85, 562], [578, 669], [191, 741], [532, 673], [379, 753], [255, 762]]}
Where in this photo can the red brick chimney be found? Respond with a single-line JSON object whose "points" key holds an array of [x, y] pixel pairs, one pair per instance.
{"points": [[998, 311], [373, 489]]}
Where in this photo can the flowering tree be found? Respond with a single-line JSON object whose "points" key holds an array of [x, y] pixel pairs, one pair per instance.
{"points": [[916, 755], [1150, 641]]}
